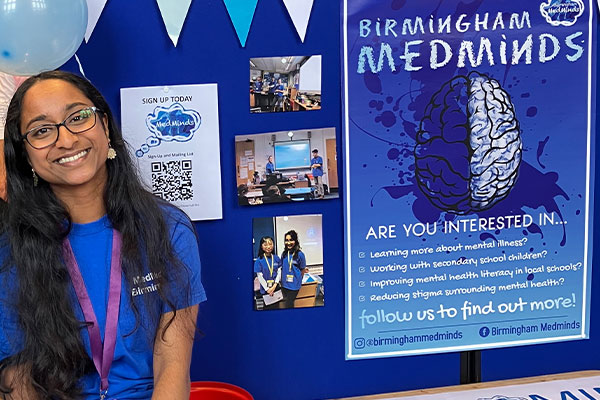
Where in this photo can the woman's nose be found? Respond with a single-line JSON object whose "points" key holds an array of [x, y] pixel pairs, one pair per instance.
{"points": [[65, 137]]}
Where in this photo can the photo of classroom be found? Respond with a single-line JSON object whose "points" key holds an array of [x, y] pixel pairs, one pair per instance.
{"points": [[288, 262], [286, 166], [288, 83]]}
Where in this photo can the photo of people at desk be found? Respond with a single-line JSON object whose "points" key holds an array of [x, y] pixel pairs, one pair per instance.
{"points": [[286, 166], [288, 83], [288, 262]]}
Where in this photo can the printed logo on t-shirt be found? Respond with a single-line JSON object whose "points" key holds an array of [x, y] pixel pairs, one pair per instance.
{"points": [[145, 284]]}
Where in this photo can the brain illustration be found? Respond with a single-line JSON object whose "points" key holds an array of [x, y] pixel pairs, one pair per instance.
{"points": [[469, 146]]}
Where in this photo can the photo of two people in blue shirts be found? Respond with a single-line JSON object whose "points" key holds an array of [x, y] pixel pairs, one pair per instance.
{"points": [[283, 275]]}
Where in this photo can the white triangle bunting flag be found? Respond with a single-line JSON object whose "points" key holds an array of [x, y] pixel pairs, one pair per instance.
{"points": [[95, 8], [173, 14], [299, 11]]}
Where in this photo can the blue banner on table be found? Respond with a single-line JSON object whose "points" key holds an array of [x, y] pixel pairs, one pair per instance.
{"points": [[468, 140]]}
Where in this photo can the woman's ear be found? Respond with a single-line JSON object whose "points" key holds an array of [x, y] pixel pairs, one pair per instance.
{"points": [[105, 125]]}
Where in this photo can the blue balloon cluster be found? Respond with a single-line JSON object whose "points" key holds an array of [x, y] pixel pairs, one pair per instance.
{"points": [[40, 35]]}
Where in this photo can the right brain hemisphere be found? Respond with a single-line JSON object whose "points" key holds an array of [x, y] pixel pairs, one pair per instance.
{"points": [[469, 146]]}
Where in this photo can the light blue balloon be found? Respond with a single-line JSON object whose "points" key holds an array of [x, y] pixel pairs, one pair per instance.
{"points": [[39, 35]]}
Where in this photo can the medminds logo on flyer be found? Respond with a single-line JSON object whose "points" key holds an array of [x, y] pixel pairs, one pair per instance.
{"points": [[170, 124], [562, 12]]}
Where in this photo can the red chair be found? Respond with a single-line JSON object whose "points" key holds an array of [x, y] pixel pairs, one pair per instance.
{"points": [[218, 391]]}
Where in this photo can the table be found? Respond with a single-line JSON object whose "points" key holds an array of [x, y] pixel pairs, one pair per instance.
{"points": [[305, 107], [254, 193], [300, 192], [307, 295], [297, 106], [504, 387]]}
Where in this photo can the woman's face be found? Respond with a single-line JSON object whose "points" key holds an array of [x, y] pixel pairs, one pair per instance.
{"points": [[289, 242], [267, 247], [74, 159]]}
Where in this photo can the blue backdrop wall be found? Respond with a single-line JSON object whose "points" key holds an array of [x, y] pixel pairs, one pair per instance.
{"points": [[286, 354]]}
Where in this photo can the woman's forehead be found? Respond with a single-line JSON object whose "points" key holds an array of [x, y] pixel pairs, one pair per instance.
{"points": [[50, 99], [52, 93]]}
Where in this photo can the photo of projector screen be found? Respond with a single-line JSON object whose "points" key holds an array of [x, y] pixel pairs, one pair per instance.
{"points": [[292, 154], [286, 166], [310, 75]]}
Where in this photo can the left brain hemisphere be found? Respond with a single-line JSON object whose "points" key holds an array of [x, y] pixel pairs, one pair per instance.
{"points": [[442, 153]]}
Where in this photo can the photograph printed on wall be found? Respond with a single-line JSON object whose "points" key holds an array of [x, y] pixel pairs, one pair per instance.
{"points": [[285, 83], [286, 166], [288, 262]]}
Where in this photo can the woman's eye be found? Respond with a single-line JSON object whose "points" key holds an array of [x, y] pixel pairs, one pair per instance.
{"points": [[80, 116], [77, 118], [42, 131]]}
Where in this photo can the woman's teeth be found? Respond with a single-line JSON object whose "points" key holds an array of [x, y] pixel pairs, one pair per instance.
{"points": [[72, 158]]}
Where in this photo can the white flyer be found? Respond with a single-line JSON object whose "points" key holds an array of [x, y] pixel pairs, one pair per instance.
{"points": [[173, 133], [274, 298]]}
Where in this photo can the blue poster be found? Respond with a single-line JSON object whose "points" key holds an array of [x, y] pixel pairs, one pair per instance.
{"points": [[468, 152]]}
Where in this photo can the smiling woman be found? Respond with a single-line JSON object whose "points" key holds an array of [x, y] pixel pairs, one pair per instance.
{"points": [[293, 266], [80, 229], [72, 158]]}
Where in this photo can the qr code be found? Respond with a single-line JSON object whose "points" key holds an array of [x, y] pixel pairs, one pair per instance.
{"points": [[172, 180]]}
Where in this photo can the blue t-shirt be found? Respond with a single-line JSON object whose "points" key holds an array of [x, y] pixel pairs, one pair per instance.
{"points": [[291, 273], [318, 171], [262, 265], [131, 373], [280, 92], [258, 86], [270, 168]]}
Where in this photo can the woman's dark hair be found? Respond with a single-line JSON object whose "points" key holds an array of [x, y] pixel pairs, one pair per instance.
{"points": [[261, 252], [34, 225], [296, 247]]}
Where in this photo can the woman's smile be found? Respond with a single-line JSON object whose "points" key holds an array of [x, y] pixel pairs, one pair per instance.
{"points": [[289, 242], [71, 159], [267, 247]]}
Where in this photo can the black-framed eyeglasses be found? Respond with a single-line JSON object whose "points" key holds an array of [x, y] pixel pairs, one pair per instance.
{"points": [[46, 135]]}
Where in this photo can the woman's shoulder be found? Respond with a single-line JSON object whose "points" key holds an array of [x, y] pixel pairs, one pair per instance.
{"points": [[175, 219], [172, 212]]}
